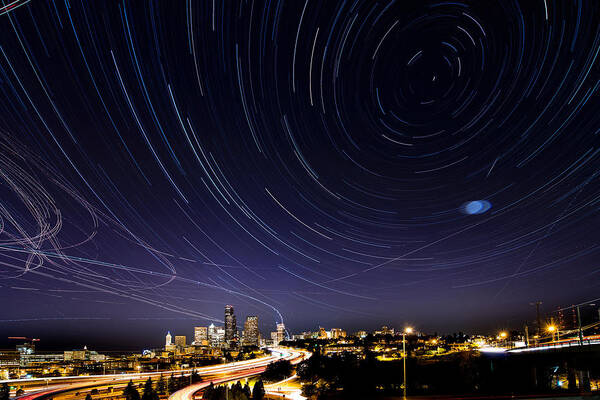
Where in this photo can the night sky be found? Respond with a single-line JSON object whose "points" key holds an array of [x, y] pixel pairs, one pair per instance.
{"points": [[337, 163]]}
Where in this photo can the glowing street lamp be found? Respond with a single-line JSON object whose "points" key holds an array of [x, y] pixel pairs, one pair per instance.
{"points": [[552, 329], [407, 330], [503, 336]]}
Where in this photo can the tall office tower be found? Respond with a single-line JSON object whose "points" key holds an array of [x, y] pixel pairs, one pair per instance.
{"points": [[213, 337], [200, 334], [274, 339], [168, 341], [251, 331], [220, 334], [280, 333], [216, 335], [180, 341], [230, 326]]}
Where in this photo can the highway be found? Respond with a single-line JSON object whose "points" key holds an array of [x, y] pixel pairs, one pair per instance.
{"points": [[288, 388], [41, 387], [294, 356]]}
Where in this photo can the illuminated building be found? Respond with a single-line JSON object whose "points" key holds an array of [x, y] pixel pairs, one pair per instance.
{"points": [[306, 335], [385, 331], [337, 333], [216, 335], [9, 358], [251, 334], [82, 355], [230, 325], [168, 338], [200, 335], [322, 333], [280, 333], [180, 341]]}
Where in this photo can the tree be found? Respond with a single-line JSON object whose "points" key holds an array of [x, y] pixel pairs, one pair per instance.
{"points": [[88, 396], [161, 387], [237, 392], [277, 371], [172, 385], [215, 393], [130, 392], [149, 392], [238, 386], [246, 390], [196, 377], [258, 392], [209, 392], [309, 390], [4, 392]]}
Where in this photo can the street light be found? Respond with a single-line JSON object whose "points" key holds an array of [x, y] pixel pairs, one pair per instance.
{"points": [[503, 335], [552, 329], [408, 330]]}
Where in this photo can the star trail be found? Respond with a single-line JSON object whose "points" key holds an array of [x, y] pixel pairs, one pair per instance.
{"points": [[314, 162]]}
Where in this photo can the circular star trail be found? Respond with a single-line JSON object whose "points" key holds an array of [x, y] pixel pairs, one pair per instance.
{"points": [[346, 163]]}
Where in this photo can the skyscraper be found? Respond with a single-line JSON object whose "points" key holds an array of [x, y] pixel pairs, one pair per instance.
{"points": [[168, 341], [251, 331], [274, 338], [230, 325], [180, 341], [216, 335], [200, 334], [280, 333]]}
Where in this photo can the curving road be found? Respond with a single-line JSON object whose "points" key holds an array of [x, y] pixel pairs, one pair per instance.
{"points": [[234, 374]]}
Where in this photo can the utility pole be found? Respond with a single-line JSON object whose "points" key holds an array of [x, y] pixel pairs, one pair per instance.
{"points": [[579, 326], [404, 332], [537, 305]]}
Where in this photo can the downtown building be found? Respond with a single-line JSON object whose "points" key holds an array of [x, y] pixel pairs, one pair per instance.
{"points": [[251, 334], [201, 336], [230, 326], [279, 335], [216, 336], [180, 341]]}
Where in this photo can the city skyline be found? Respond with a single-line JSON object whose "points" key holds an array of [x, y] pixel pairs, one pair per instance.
{"points": [[336, 164], [567, 318]]}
